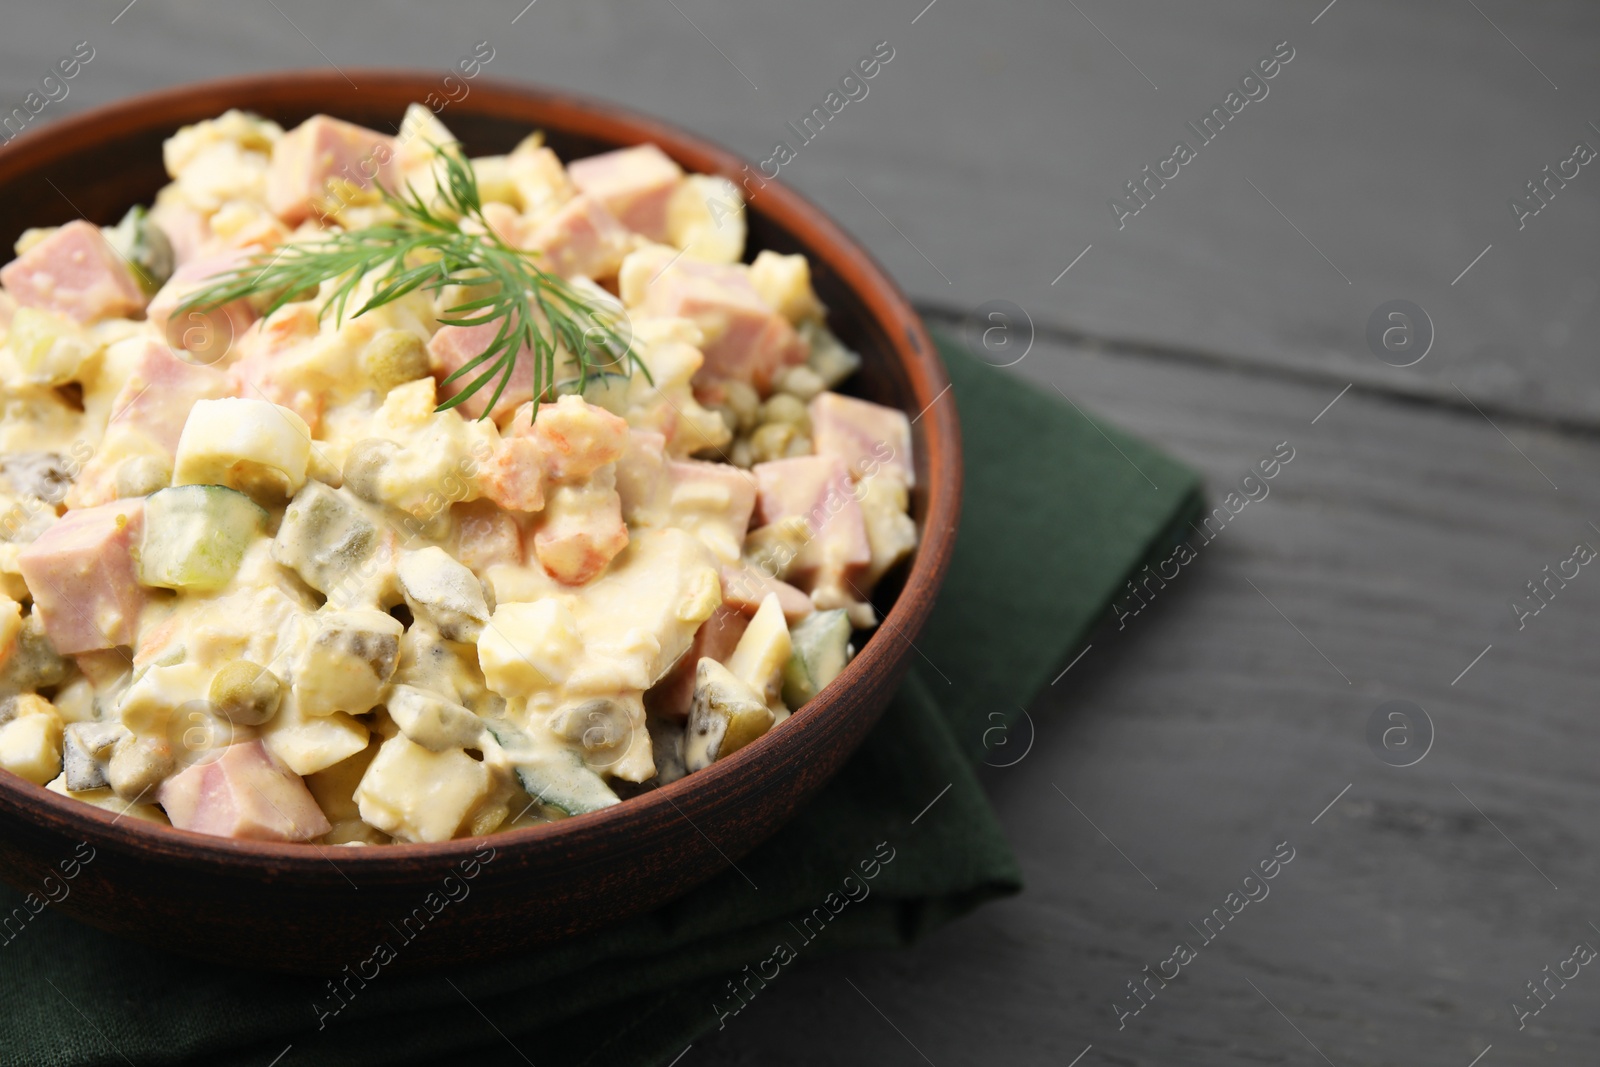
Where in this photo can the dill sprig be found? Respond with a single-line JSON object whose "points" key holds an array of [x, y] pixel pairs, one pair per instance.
{"points": [[425, 247]]}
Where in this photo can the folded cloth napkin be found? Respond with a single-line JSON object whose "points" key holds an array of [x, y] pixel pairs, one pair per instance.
{"points": [[902, 841]]}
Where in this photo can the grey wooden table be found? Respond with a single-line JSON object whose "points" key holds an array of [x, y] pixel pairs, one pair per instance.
{"points": [[1221, 318]]}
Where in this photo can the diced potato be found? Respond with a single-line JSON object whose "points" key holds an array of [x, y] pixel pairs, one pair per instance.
{"points": [[541, 181], [307, 744], [30, 738], [334, 789], [196, 535], [528, 647], [727, 715], [784, 282], [418, 795], [10, 628], [890, 531], [759, 659], [257, 447], [495, 184], [705, 218], [107, 800], [829, 358]]}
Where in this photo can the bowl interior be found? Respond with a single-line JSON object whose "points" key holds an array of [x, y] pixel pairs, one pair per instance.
{"points": [[98, 164]]}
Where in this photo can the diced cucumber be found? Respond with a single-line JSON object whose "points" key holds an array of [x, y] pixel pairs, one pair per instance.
{"points": [[324, 537], [820, 650], [145, 247], [559, 780], [726, 715], [196, 535]]}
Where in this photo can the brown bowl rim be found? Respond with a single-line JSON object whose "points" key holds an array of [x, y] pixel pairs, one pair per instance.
{"points": [[857, 269]]}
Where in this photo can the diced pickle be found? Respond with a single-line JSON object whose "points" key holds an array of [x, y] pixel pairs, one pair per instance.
{"points": [[820, 649], [433, 721], [727, 714], [86, 752], [604, 728], [144, 246], [365, 463], [40, 475], [443, 591], [325, 537], [196, 535], [33, 663]]}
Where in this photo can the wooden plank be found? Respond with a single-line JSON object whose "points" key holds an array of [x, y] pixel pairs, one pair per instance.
{"points": [[1210, 730]]}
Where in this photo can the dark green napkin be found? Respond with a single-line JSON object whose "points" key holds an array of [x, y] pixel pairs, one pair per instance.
{"points": [[1054, 521]]}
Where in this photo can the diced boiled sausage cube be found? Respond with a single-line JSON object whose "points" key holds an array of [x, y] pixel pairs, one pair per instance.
{"points": [[455, 346], [160, 392], [817, 489], [582, 237], [744, 339], [83, 579], [147, 419], [207, 335], [717, 637], [187, 230], [745, 586], [74, 271], [243, 793], [868, 437], [714, 501], [636, 184], [319, 151]]}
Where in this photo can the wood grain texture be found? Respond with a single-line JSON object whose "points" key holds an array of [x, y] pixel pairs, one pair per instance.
{"points": [[293, 907], [1209, 730]]}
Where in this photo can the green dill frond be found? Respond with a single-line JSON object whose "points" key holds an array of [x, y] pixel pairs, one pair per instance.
{"points": [[425, 247]]}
